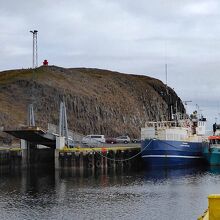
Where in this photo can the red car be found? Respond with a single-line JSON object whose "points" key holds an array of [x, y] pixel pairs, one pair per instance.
{"points": [[110, 140]]}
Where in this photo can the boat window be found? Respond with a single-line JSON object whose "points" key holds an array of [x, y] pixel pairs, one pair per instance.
{"points": [[212, 141], [96, 136]]}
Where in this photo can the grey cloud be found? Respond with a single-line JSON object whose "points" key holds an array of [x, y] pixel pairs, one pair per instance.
{"points": [[122, 35]]}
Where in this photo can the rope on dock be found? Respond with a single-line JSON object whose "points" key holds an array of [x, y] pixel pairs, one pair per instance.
{"points": [[122, 160]]}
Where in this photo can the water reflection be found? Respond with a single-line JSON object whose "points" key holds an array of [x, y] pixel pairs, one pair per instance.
{"points": [[160, 174], [214, 170], [44, 193]]}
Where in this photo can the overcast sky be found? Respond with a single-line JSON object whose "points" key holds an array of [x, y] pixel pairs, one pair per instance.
{"points": [[124, 35]]}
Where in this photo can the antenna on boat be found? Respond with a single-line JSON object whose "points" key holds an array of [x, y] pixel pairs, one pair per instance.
{"points": [[170, 109], [166, 78], [197, 108], [166, 73], [176, 106], [186, 103], [166, 66]]}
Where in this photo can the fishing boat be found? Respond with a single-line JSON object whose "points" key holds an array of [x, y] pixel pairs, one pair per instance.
{"points": [[211, 151], [173, 143]]}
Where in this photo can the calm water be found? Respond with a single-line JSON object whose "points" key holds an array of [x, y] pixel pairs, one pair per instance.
{"points": [[160, 194]]}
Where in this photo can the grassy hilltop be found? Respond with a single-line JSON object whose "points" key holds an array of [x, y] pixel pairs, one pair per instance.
{"points": [[98, 101]]}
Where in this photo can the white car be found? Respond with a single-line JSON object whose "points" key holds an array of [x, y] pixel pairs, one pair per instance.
{"points": [[93, 139], [71, 142]]}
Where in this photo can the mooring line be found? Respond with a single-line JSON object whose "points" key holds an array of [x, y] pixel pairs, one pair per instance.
{"points": [[116, 160]]}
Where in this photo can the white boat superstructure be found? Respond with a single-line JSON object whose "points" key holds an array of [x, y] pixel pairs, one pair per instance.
{"points": [[186, 129]]}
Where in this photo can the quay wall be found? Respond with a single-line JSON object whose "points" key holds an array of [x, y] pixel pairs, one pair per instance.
{"points": [[99, 158], [10, 157], [90, 159]]}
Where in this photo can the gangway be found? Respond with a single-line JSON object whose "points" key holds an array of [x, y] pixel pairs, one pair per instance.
{"points": [[35, 135]]}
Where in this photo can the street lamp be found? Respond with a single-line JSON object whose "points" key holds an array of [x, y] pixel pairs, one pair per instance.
{"points": [[31, 118], [35, 58]]}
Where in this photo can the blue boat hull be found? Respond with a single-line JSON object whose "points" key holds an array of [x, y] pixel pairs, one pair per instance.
{"points": [[171, 153]]}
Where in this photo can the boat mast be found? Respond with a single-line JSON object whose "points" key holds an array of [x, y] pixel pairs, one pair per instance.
{"points": [[166, 82], [166, 73], [168, 94]]}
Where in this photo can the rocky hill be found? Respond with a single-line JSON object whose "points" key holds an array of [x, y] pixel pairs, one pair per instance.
{"points": [[98, 101]]}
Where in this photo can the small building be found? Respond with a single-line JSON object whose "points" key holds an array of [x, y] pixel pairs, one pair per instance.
{"points": [[45, 63]]}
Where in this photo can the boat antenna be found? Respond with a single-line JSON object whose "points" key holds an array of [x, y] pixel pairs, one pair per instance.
{"points": [[170, 110], [166, 66], [166, 73], [185, 104]]}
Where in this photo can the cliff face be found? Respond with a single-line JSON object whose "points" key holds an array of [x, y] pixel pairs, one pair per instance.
{"points": [[97, 101]]}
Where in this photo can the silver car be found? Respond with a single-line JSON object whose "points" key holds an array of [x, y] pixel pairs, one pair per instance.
{"points": [[93, 140], [123, 139]]}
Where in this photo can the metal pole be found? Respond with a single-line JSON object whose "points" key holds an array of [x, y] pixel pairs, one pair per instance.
{"points": [[61, 116], [63, 125], [31, 119], [66, 125]]}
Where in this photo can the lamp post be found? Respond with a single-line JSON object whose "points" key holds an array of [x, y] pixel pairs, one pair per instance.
{"points": [[31, 118], [35, 58]]}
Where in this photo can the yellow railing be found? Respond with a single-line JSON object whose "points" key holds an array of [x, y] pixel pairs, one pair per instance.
{"points": [[10, 149], [83, 149]]}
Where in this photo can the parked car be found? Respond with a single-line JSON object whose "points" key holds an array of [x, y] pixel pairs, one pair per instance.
{"points": [[135, 140], [93, 139], [71, 142], [123, 139], [110, 140]]}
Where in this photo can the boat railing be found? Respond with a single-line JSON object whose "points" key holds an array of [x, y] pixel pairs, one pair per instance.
{"points": [[167, 124], [160, 124]]}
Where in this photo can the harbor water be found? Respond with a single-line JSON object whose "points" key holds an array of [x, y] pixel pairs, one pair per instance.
{"points": [[43, 193]]}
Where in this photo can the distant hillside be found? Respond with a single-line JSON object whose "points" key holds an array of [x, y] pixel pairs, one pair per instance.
{"points": [[98, 101]]}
